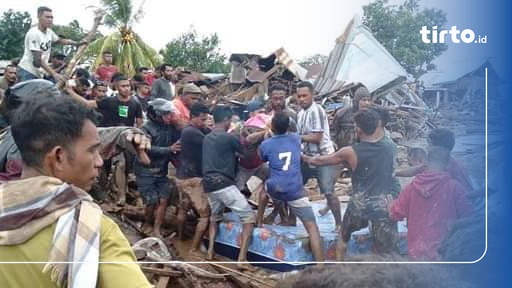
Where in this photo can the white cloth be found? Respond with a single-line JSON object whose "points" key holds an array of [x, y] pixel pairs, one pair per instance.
{"points": [[36, 40], [173, 89], [300, 203]]}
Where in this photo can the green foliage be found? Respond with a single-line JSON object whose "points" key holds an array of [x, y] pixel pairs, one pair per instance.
{"points": [[13, 27], [128, 49], [195, 53], [397, 28], [313, 59]]}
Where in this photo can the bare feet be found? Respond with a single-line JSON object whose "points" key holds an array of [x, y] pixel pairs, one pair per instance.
{"points": [[269, 219], [196, 253], [210, 256], [324, 210], [146, 228], [341, 249]]}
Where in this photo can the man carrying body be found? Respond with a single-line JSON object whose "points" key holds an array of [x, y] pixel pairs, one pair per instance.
{"points": [[38, 46], [152, 181], [219, 181], [251, 164], [278, 104], [313, 128], [282, 152], [59, 145], [371, 161], [119, 110], [190, 174]]}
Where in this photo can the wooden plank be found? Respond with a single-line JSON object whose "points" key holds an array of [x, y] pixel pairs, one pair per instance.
{"points": [[162, 282], [162, 272]]}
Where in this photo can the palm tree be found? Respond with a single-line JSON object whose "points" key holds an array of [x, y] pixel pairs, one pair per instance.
{"points": [[127, 47]]}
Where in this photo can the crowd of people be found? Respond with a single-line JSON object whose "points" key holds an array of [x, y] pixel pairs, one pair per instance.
{"points": [[53, 148]]}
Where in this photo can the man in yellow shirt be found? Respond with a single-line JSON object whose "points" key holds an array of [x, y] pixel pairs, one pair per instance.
{"points": [[47, 216]]}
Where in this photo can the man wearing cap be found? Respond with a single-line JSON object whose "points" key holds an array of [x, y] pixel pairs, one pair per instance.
{"points": [[191, 95], [152, 181], [38, 46]]}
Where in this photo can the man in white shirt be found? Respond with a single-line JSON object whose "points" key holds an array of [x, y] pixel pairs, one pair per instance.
{"points": [[38, 45], [313, 128]]}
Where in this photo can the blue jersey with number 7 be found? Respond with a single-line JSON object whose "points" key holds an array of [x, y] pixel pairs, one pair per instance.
{"points": [[283, 154]]}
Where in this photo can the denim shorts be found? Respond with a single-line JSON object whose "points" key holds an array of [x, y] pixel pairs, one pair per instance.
{"points": [[302, 209], [324, 174], [153, 188], [232, 198]]}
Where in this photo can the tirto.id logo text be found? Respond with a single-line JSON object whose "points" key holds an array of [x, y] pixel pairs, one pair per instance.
{"points": [[466, 36]]}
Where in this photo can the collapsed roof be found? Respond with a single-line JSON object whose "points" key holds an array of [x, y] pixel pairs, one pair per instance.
{"points": [[257, 69], [359, 57]]}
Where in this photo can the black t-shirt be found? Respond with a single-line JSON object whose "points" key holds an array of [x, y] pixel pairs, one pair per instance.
{"points": [[191, 155], [372, 179], [219, 160], [117, 113]]}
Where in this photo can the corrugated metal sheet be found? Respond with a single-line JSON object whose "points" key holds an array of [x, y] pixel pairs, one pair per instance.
{"points": [[284, 58], [358, 57]]}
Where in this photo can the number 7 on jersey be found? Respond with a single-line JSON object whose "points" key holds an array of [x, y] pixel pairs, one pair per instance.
{"points": [[287, 158]]}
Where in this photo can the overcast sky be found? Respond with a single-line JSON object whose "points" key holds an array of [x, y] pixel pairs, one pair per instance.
{"points": [[302, 27]]}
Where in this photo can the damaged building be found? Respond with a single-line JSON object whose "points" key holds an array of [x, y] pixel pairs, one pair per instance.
{"points": [[355, 54]]}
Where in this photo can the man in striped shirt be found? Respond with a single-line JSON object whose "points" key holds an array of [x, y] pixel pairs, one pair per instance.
{"points": [[313, 128]]}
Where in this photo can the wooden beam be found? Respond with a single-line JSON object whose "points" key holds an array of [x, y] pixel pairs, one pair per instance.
{"points": [[162, 272]]}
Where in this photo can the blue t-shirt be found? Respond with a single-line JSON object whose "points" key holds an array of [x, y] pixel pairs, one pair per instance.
{"points": [[283, 154]]}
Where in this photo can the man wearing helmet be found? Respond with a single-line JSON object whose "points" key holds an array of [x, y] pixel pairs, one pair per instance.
{"points": [[152, 181]]}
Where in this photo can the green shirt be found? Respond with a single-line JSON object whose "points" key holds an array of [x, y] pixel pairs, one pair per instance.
{"points": [[113, 248]]}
